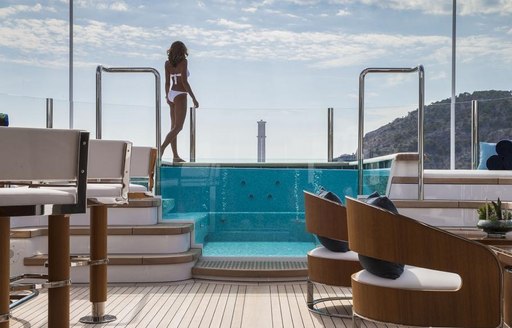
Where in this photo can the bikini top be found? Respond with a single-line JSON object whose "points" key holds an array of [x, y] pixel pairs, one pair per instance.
{"points": [[174, 77]]}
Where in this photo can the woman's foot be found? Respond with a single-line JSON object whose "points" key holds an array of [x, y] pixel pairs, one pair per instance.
{"points": [[178, 160]]}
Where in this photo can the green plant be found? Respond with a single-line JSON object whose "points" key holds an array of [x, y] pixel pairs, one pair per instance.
{"points": [[493, 211]]}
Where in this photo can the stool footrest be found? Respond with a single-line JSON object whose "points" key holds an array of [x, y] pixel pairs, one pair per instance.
{"points": [[5, 317], [56, 284], [16, 299]]}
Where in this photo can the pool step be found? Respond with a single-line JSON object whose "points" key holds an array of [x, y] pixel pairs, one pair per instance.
{"points": [[123, 268], [157, 238], [249, 270], [152, 253], [139, 211]]}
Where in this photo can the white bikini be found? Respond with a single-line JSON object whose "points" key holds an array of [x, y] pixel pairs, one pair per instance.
{"points": [[174, 93]]}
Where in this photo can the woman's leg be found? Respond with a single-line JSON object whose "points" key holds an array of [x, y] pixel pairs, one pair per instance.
{"points": [[178, 114], [167, 139]]}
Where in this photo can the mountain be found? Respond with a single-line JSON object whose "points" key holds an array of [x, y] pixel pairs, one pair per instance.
{"points": [[401, 135]]}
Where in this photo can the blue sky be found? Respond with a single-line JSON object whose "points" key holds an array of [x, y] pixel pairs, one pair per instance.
{"points": [[281, 61]]}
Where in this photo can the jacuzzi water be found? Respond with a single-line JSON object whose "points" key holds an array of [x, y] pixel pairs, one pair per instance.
{"points": [[254, 212]]}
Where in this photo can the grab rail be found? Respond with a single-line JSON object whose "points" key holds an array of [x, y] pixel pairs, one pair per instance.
{"points": [[330, 134], [474, 135], [421, 110], [99, 70]]}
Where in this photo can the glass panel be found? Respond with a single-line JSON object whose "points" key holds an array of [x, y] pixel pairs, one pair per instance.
{"points": [[33, 61]]}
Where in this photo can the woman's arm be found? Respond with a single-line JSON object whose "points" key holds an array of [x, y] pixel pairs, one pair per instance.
{"points": [[167, 80], [186, 85]]}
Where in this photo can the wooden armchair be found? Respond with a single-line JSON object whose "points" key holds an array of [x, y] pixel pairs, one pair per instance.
{"points": [[448, 280], [34, 164], [327, 218]]}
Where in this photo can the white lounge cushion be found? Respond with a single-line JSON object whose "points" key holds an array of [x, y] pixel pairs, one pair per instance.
{"points": [[323, 252], [414, 278], [103, 190], [137, 188], [36, 196]]}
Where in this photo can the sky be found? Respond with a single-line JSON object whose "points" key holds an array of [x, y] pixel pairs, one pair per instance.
{"points": [[281, 61]]}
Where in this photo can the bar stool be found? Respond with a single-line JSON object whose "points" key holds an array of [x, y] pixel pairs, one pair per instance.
{"points": [[108, 185], [35, 165]]}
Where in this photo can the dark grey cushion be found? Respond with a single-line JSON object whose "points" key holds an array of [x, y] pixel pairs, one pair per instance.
{"points": [[381, 268], [333, 245], [4, 119]]}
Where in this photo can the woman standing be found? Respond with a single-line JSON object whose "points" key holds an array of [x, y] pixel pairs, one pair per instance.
{"points": [[176, 69]]}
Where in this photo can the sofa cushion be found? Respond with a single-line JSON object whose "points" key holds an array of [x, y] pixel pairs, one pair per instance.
{"points": [[414, 278]]}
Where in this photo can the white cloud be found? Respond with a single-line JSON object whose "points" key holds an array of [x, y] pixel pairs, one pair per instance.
{"points": [[119, 6], [442, 7], [238, 41], [114, 5], [229, 24], [343, 12], [250, 9], [16, 9]]}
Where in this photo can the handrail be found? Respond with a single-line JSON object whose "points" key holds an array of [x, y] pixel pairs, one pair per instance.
{"points": [[99, 70], [330, 134], [421, 110], [474, 134], [192, 134]]}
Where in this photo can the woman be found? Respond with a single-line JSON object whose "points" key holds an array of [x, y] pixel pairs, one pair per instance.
{"points": [[176, 69]]}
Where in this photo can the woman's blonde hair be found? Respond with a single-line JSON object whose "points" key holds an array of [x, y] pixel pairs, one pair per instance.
{"points": [[177, 52]]}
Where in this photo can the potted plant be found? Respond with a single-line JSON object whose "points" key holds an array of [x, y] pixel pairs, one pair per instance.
{"points": [[495, 220]]}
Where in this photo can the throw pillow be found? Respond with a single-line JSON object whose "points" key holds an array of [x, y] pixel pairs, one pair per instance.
{"points": [[487, 149]]}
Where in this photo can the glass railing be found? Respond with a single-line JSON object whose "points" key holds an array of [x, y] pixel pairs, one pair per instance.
{"points": [[230, 135]]}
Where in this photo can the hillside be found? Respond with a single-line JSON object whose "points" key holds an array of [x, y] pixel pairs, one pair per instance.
{"points": [[495, 123]]}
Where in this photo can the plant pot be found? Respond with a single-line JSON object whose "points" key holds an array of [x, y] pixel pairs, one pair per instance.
{"points": [[495, 228]]}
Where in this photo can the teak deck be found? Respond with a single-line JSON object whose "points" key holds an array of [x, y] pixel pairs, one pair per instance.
{"points": [[198, 303]]}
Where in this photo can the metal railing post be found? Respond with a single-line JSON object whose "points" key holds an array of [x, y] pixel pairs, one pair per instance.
{"points": [[474, 135], [158, 105], [421, 115], [49, 113], [192, 134], [330, 134], [99, 109]]}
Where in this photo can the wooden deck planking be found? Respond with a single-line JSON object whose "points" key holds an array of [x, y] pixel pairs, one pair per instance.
{"points": [[160, 312], [227, 315], [154, 306], [218, 312], [198, 303]]}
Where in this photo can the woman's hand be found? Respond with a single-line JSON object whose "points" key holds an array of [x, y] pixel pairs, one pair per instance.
{"points": [[196, 104]]}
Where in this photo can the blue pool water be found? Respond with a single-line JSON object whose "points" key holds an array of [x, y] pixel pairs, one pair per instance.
{"points": [[254, 211]]}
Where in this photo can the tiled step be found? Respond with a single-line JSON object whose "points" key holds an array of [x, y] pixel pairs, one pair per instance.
{"points": [[250, 269]]}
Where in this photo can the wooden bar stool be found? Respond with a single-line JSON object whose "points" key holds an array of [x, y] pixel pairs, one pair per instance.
{"points": [[108, 185], [43, 172]]}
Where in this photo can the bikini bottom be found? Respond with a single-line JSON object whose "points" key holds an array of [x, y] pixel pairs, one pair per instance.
{"points": [[173, 94]]}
